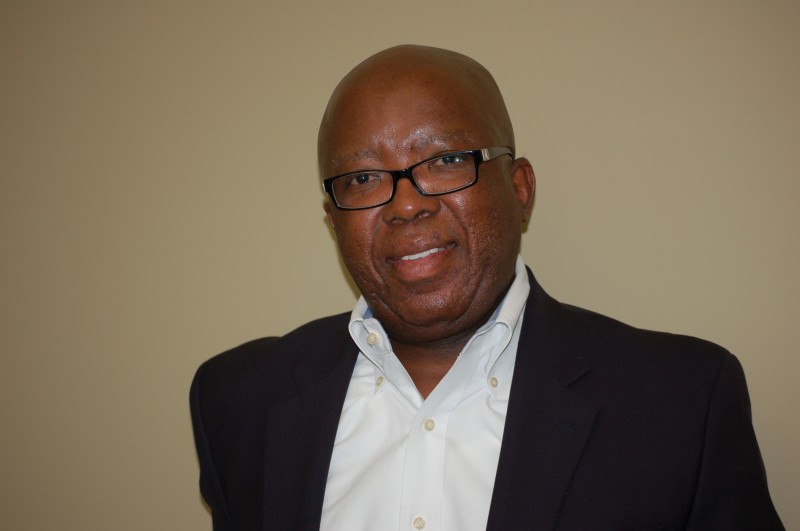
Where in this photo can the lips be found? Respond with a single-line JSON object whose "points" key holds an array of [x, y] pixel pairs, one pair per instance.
{"points": [[421, 265], [423, 254], [419, 252]]}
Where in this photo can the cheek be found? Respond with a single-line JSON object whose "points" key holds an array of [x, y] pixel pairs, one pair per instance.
{"points": [[351, 238], [355, 243], [481, 216], [493, 229]]}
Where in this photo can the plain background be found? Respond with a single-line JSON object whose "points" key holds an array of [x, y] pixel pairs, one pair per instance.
{"points": [[159, 203]]}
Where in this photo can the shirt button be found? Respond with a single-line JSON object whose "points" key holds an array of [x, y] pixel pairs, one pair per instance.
{"points": [[372, 338], [429, 425], [419, 522], [493, 382], [379, 381]]}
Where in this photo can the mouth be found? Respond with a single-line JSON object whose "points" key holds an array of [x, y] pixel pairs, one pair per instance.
{"points": [[413, 257], [423, 266], [423, 254]]}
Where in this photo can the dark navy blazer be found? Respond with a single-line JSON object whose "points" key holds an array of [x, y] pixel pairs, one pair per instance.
{"points": [[608, 427]]}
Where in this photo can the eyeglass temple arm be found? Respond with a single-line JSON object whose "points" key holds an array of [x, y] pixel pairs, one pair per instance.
{"points": [[494, 152]]}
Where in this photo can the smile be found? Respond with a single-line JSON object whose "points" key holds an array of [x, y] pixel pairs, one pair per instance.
{"points": [[423, 254]]}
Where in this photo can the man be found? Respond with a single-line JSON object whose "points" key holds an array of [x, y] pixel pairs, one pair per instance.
{"points": [[458, 395]]}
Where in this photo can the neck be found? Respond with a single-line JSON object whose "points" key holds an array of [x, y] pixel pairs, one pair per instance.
{"points": [[428, 364], [428, 361]]}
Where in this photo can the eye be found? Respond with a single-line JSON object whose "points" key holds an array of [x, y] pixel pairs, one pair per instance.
{"points": [[453, 161], [357, 180], [449, 160]]}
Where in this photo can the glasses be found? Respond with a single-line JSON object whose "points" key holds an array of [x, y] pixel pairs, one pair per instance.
{"points": [[439, 175]]}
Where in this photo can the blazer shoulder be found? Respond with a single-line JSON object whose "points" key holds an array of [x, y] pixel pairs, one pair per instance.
{"points": [[569, 340], [621, 351], [599, 329], [264, 367]]}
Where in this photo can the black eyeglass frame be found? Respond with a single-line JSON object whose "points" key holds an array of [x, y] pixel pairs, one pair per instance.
{"points": [[479, 156]]}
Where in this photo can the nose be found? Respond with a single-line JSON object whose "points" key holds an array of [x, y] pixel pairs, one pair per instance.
{"points": [[408, 204]]}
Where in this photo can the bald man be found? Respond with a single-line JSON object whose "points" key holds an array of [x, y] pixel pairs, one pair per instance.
{"points": [[457, 394]]}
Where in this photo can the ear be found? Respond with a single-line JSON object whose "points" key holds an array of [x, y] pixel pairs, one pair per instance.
{"points": [[524, 185], [329, 213]]}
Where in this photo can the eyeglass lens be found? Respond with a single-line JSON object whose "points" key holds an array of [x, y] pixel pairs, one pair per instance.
{"points": [[437, 176]]}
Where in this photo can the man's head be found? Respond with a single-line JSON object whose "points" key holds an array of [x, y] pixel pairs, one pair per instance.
{"points": [[399, 107]]}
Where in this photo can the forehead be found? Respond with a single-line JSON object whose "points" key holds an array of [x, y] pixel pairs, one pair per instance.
{"points": [[409, 116]]}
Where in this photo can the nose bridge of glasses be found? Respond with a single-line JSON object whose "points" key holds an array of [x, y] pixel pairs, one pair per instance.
{"points": [[407, 173]]}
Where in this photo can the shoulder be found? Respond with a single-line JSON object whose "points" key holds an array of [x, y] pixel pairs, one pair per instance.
{"points": [[566, 331], [265, 367], [608, 334], [602, 330], [661, 365]]}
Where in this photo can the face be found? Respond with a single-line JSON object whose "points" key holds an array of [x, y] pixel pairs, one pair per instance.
{"points": [[432, 269]]}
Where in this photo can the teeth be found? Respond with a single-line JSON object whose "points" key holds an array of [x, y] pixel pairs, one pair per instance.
{"points": [[423, 254]]}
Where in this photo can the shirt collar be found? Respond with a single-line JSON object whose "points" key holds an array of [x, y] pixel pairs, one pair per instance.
{"points": [[374, 343]]}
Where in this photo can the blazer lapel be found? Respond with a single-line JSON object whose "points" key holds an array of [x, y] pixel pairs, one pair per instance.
{"points": [[547, 425], [299, 440]]}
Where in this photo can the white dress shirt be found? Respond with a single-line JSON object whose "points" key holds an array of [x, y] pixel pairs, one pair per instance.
{"points": [[401, 462]]}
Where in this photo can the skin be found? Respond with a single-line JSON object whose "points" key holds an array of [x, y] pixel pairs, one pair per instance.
{"points": [[396, 108]]}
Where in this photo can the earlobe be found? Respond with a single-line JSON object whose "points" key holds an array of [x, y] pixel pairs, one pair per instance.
{"points": [[524, 185], [329, 215]]}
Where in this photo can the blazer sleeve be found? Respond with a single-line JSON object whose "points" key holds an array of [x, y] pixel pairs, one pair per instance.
{"points": [[210, 484], [731, 491]]}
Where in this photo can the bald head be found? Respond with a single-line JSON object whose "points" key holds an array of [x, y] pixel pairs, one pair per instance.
{"points": [[418, 79]]}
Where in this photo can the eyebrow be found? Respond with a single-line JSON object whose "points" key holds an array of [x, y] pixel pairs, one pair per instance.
{"points": [[361, 154], [416, 143]]}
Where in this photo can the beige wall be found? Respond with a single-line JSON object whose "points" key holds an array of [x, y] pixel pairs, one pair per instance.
{"points": [[159, 204]]}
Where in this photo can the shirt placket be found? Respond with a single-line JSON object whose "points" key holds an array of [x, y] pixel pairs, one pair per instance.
{"points": [[424, 465]]}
